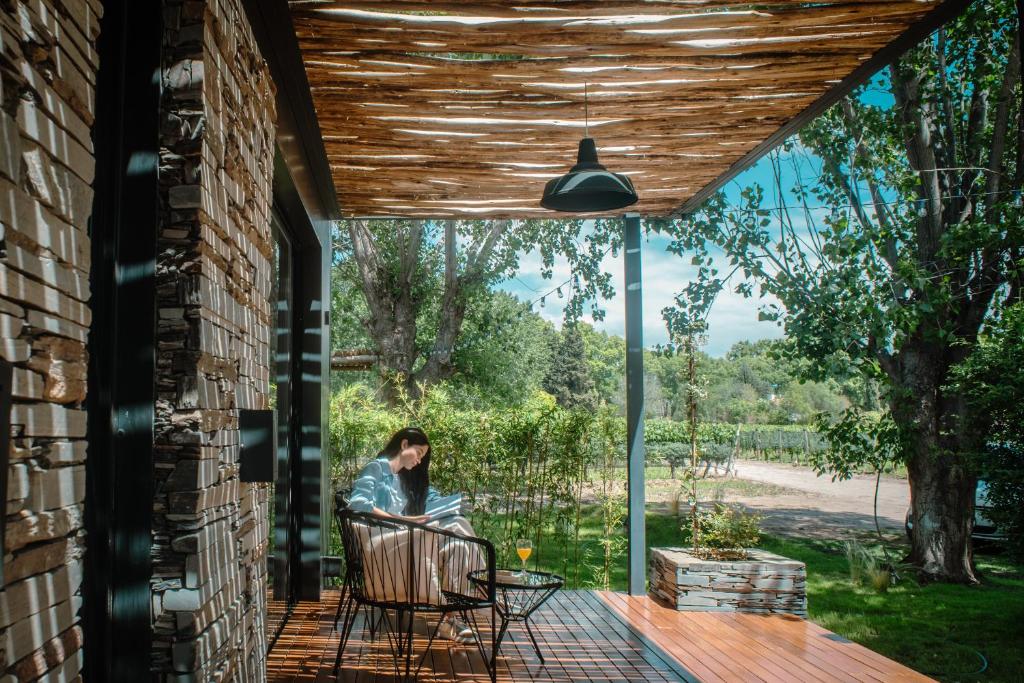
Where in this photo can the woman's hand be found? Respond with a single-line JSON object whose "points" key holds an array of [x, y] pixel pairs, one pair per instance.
{"points": [[415, 519], [418, 519]]}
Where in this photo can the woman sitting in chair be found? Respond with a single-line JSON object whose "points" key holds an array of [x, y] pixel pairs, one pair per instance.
{"points": [[397, 484]]}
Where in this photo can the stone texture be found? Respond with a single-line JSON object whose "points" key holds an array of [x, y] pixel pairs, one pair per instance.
{"points": [[47, 104], [213, 332], [763, 582]]}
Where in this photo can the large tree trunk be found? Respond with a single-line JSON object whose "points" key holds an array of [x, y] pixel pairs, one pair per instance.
{"points": [[941, 483], [388, 287]]}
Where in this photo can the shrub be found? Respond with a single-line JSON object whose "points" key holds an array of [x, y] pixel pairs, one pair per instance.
{"points": [[991, 380], [865, 568], [726, 532]]}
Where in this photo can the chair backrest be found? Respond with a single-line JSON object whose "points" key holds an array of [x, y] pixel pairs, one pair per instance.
{"points": [[397, 564]]}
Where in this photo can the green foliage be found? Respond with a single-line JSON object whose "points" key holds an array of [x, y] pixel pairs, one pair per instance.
{"points": [[611, 502], [855, 440], [992, 381], [726, 532], [503, 352], [866, 568], [568, 378], [660, 430], [888, 264], [606, 360]]}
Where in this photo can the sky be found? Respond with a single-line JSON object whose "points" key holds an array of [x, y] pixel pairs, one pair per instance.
{"points": [[733, 318]]}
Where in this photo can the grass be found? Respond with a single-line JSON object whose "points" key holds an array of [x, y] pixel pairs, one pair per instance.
{"points": [[659, 481], [709, 489], [936, 629]]}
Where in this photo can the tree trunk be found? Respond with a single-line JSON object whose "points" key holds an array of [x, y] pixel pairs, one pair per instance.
{"points": [[941, 483], [942, 503]]}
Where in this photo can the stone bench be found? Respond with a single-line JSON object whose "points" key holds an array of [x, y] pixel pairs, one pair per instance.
{"points": [[763, 582]]}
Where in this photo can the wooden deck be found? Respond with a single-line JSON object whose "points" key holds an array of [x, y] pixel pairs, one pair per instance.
{"points": [[596, 636]]}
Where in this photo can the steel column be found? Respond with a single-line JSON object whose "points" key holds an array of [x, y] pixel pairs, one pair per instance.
{"points": [[637, 571], [116, 592]]}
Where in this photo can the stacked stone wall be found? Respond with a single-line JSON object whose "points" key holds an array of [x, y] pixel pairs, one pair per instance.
{"points": [[210, 531], [762, 583], [48, 66]]}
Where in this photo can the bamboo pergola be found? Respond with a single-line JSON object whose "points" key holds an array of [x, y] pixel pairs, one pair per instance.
{"points": [[465, 109]]}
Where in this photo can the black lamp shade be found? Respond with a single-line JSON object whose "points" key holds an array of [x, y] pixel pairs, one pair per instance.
{"points": [[588, 186]]}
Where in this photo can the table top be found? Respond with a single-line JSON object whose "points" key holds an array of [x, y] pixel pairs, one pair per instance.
{"points": [[514, 578]]}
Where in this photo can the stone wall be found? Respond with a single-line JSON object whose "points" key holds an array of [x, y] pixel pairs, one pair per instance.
{"points": [[48, 66], [764, 582], [210, 534]]}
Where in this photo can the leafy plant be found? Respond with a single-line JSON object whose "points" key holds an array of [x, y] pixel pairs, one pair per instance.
{"points": [[726, 532], [865, 567], [992, 380]]}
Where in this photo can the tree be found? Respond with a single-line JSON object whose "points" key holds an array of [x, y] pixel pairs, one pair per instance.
{"points": [[606, 358], [568, 378], [503, 353], [921, 237], [405, 267], [992, 382]]}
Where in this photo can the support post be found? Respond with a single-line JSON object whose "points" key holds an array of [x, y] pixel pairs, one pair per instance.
{"points": [[637, 570]]}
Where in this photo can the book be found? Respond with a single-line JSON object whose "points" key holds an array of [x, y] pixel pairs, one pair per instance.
{"points": [[445, 506]]}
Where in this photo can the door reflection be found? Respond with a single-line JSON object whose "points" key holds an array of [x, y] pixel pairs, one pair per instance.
{"points": [[280, 363]]}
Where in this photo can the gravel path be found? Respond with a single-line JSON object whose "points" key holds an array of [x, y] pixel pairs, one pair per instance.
{"points": [[820, 507]]}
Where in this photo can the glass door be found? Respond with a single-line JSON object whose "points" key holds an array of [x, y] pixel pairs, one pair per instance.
{"points": [[279, 589]]}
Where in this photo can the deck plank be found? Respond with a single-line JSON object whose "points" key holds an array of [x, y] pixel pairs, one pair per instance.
{"points": [[592, 636], [770, 647]]}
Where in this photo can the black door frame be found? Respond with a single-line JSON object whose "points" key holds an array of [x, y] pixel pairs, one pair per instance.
{"points": [[304, 188], [122, 359], [283, 495], [308, 395]]}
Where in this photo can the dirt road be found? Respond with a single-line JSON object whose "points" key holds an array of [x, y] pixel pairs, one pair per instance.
{"points": [[819, 507]]}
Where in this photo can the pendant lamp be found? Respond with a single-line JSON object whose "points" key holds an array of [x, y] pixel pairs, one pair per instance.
{"points": [[588, 186]]}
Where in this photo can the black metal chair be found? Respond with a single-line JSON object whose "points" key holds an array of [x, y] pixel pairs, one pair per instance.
{"points": [[413, 569]]}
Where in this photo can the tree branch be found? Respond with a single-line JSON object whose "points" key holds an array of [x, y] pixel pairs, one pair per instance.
{"points": [[915, 116], [1001, 125]]}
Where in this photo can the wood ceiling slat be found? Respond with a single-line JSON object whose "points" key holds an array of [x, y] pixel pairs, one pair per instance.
{"points": [[678, 91]]}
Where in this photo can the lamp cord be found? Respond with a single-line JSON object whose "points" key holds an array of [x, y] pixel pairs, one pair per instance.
{"points": [[586, 113]]}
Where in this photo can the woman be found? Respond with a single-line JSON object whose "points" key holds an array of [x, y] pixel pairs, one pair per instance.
{"points": [[397, 484]]}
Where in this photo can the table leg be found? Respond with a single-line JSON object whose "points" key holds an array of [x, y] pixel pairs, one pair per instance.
{"points": [[501, 636], [529, 631]]}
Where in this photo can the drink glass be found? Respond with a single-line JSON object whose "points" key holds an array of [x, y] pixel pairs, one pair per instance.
{"points": [[523, 548]]}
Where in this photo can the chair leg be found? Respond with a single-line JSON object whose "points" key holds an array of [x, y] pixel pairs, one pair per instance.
{"points": [[490, 662], [494, 646], [408, 645], [341, 601], [376, 616], [351, 609], [351, 612], [430, 641]]}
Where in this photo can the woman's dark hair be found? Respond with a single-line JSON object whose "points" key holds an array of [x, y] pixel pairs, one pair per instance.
{"points": [[415, 481]]}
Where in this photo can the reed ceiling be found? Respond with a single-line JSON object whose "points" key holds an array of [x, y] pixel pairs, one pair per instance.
{"points": [[465, 109]]}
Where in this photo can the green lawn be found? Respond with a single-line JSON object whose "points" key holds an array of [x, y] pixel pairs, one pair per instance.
{"points": [[940, 630], [934, 629]]}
